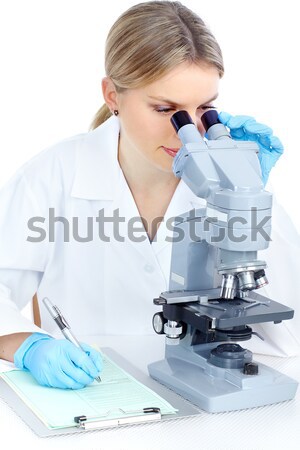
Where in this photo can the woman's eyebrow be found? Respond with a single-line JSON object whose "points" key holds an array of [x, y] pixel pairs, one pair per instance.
{"points": [[171, 102]]}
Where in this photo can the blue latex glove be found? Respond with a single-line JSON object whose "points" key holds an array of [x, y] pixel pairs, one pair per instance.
{"points": [[245, 128], [58, 362]]}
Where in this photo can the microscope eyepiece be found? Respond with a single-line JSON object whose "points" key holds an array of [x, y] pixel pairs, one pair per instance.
{"points": [[210, 118], [181, 118], [213, 126]]}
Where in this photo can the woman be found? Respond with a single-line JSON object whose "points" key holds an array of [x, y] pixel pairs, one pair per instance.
{"points": [[84, 222]]}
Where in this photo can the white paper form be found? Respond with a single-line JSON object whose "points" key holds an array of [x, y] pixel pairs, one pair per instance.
{"points": [[118, 395]]}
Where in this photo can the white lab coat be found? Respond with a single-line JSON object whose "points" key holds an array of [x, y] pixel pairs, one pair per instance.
{"points": [[107, 288]]}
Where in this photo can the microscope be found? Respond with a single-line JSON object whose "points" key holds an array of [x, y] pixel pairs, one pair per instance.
{"points": [[215, 274]]}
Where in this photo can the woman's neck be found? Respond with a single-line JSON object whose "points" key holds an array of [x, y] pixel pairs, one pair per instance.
{"points": [[152, 189]]}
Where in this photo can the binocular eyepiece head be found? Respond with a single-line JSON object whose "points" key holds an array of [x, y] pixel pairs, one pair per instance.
{"points": [[181, 118], [210, 120]]}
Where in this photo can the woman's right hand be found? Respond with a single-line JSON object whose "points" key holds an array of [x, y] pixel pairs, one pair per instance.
{"points": [[57, 362], [246, 128]]}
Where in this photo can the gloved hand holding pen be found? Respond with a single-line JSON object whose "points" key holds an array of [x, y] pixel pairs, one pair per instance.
{"points": [[246, 128], [57, 362]]}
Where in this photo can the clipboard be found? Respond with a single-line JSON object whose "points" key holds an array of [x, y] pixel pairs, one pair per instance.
{"points": [[85, 424]]}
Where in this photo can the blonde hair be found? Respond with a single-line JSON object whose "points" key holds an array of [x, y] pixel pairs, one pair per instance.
{"points": [[150, 39]]}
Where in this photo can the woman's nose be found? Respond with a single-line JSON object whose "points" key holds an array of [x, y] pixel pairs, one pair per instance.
{"points": [[196, 118]]}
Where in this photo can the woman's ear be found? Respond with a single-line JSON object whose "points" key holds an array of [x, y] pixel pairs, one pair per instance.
{"points": [[109, 93]]}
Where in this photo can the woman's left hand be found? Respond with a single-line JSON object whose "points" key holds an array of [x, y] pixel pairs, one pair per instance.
{"points": [[245, 128]]}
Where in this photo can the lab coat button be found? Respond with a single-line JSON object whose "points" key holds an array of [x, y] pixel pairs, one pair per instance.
{"points": [[149, 268]]}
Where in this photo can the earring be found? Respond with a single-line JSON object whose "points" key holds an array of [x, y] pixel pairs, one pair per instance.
{"points": [[116, 112]]}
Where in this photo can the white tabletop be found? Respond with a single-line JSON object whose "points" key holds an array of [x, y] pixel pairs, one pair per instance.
{"points": [[270, 427]]}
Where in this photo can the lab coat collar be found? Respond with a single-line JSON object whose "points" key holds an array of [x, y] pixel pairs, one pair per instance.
{"points": [[97, 164], [98, 171]]}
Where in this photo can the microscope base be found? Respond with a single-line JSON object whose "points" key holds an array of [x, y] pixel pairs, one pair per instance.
{"points": [[216, 389]]}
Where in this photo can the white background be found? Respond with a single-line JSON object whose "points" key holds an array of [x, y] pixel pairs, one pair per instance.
{"points": [[52, 65], [50, 87]]}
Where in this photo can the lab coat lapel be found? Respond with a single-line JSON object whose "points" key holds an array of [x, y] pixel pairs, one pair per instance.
{"points": [[131, 227], [99, 177], [182, 201]]}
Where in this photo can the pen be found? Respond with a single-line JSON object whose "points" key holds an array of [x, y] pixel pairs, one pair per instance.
{"points": [[63, 325]]}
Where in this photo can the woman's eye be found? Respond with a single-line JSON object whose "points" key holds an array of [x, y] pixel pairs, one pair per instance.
{"points": [[207, 107], [164, 110]]}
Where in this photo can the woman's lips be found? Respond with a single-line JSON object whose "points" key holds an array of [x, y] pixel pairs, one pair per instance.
{"points": [[171, 151]]}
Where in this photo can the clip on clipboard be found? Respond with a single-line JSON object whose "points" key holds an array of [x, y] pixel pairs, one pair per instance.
{"points": [[144, 415]]}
